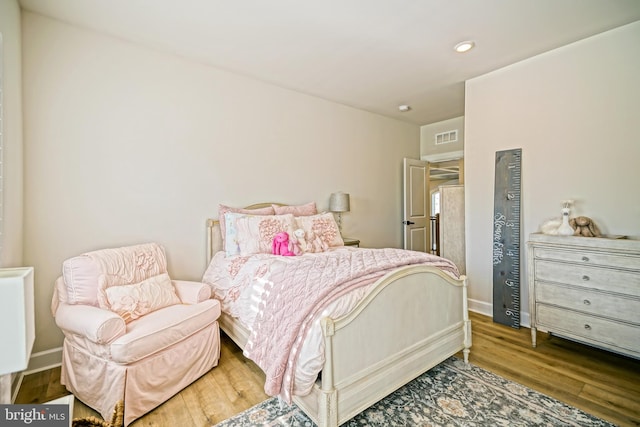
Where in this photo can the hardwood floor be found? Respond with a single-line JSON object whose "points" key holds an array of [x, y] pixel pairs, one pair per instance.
{"points": [[601, 383]]}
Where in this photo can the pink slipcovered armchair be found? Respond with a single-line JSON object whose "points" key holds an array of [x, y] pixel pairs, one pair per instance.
{"points": [[130, 332]]}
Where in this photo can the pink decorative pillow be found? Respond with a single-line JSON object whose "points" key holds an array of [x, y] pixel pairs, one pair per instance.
{"points": [[222, 209], [299, 210], [321, 231], [136, 300], [255, 233]]}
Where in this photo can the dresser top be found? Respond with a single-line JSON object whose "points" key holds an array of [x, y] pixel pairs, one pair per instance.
{"points": [[606, 242]]}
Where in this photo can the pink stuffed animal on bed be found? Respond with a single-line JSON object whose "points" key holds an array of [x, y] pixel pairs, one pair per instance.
{"points": [[281, 244]]}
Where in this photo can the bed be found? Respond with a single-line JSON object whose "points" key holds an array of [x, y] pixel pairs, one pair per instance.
{"points": [[417, 316]]}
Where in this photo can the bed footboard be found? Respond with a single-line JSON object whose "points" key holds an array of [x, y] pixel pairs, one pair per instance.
{"points": [[413, 319]]}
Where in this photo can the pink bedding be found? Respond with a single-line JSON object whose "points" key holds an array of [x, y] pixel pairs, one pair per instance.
{"points": [[287, 294]]}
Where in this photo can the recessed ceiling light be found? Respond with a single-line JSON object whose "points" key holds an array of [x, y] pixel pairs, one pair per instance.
{"points": [[464, 46], [404, 108]]}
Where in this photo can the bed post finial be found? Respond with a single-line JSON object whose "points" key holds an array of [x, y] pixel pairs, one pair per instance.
{"points": [[328, 410]]}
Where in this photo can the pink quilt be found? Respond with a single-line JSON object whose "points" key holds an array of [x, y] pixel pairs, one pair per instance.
{"points": [[295, 291]]}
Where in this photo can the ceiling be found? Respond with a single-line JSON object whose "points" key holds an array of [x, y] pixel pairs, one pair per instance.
{"points": [[370, 54]]}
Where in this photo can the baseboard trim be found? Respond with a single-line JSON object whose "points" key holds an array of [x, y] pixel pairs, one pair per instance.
{"points": [[38, 362], [481, 307], [486, 309], [44, 360]]}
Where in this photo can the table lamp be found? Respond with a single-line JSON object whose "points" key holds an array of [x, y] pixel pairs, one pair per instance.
{"points": [[338, 203]]}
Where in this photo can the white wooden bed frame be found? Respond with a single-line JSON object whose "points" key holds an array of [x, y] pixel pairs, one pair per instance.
{"points": [[412, 319]]}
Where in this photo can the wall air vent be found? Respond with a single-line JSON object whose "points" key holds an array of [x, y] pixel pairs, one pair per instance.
{"points": [[446, 137]]}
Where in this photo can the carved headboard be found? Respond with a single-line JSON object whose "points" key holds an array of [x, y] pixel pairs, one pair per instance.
{"points": [[214, 235]]}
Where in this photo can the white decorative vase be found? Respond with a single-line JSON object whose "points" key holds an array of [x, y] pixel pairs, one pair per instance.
{"points": [[565, 229]]}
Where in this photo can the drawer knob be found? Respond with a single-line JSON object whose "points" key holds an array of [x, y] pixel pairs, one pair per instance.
{"points": [[587, 327], [585, 258], [587, 302], [585, 278]]}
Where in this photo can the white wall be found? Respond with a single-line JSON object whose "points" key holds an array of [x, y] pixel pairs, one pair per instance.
{"points": [[12, 170], [125, 144], [574, 112]]}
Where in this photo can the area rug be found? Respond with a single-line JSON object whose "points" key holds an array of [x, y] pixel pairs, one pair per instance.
{"points": [[451, 394]]}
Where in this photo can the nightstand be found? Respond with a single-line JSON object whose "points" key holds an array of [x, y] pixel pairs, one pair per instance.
{"points": [[348, 241]]}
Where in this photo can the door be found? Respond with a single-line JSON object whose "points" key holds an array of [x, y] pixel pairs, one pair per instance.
{"points": [[452, 243], [416, 213]]}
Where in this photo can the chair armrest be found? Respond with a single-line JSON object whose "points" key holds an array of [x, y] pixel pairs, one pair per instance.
{"points": [[192, 292], [99, 325]]}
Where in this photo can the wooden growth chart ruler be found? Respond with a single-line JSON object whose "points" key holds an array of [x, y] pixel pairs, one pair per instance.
{"points": [[506, 238]]}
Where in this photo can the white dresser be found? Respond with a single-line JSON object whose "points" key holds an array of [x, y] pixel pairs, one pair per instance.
{"points": [[586, 289]]}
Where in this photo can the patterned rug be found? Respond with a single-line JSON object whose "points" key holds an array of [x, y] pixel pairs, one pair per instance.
{"points": [[450, 394]]}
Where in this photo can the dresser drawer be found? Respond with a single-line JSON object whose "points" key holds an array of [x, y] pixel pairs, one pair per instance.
{"points": [[619, 281], [585, 257], [590, 302], [603, 332]]}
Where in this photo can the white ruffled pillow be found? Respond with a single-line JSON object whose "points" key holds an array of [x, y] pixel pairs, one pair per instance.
{"points": [[136, 300]]}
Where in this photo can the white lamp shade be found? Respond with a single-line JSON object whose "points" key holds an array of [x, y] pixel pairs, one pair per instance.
{"points": [[339, 202], [17, 320]]}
